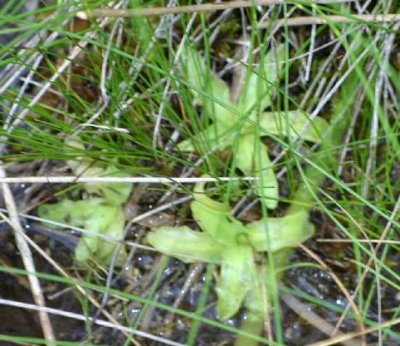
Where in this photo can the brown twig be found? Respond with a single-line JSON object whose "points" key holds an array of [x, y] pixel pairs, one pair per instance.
{"points": [[304, 311], [159, 11], [345, 291], [342, 338], [27, 259], [369, 241], [307, 20], [127, 330]]}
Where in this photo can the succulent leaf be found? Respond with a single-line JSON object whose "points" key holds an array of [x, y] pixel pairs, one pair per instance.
{"points": [[237, 272], [257, 91], [272, 234], [294, 124], [252, 159], [95, 216], [115, 193], [101, 215], [184, 243], [209, 90], [227, 241], [214, 135], [70, 212], [214, 218]]}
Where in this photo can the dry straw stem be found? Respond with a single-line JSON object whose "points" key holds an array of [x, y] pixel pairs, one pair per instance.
{"points": [[368, 241], [134, 180], [27, 259], [112, 320], [80, 317], [299, 21], [345, 292], [344, 337], [306, 313], [159, 11]]}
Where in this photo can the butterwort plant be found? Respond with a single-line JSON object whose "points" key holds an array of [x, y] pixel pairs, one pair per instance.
{"points": [[241, 125], [224, 240], [100, 212]]}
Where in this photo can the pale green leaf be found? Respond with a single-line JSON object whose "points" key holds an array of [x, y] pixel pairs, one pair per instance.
{"points": [[294, 124], [255, 96], [209, 90], [74, 213], [188, 144], [194, 68], [107, 220], [237, 273], [207, 202], [254, 162], [258, 300], [257, 91], [185, 244], [214, 135], [265, 285], [95, 216], [217, 101], [217, 223], [86, 248], [272, 234], [113, 193], [214, 218], [115, 229]]}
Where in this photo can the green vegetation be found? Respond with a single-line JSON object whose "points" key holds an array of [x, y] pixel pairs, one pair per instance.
{"points": [[102, 214], [241, 125], [226, 241], [310, 112]]}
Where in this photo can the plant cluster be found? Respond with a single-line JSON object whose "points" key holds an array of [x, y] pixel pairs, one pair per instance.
{"points": [[100, 211], [241, 125], [232, 245], [223, 239]]}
